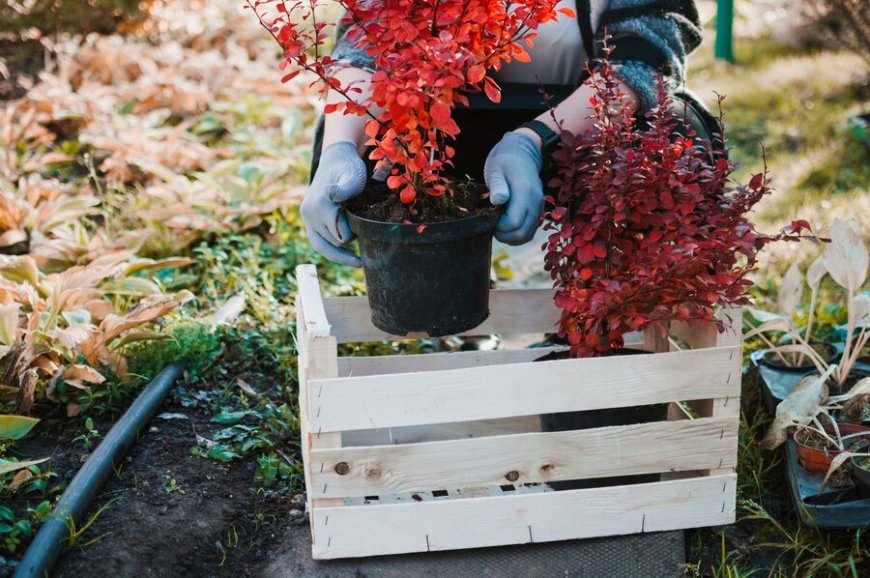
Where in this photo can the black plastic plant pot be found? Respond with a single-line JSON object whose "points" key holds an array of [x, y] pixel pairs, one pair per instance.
{"points": [[431, 278], [861, 471], [777, 380]]}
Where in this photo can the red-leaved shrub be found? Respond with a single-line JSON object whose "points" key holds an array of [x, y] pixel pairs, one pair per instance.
{"points": [[647, 226], [428, 55]]}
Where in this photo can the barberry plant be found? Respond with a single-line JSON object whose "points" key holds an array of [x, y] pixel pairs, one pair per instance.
{"points": [[428, 55], [647, 225]]}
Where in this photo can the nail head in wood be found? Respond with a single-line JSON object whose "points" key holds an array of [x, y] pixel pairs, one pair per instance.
{"points": [[342, 469], [512, 476]]}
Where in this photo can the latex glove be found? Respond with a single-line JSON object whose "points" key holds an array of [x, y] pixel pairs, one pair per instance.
{"points": [[512, 172], [340, 177]]}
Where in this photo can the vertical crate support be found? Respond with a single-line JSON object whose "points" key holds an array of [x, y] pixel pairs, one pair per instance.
{"points": [[701, 335], [318, 359]]}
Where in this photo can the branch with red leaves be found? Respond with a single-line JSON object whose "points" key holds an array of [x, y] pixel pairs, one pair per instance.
{"points": [[647, 227], [429, 54]]}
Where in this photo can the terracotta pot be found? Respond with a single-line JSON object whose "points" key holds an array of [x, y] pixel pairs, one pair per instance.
{"points": [[817, 459]]}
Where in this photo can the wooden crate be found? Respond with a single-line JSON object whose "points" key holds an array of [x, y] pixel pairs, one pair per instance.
{"points": [[413, 453]]}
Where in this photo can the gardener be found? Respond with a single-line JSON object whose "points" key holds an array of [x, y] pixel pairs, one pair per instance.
{"points": [[505, 144]]}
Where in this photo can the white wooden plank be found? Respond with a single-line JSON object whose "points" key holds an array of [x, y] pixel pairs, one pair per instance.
{"points": [[308, 291], [517, 519], [441, 431], [511, 311], [526, 458], [318, 358], [478, 393], [380, 365]]}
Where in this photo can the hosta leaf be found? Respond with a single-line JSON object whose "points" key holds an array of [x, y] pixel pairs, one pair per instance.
{"points": [[8, 467], [791, 289], [798, 408], [9, 323], [15, 427], [846, 256]]}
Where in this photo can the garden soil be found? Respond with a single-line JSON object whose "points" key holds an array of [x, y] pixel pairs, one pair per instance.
{"points": [[209, 522]]}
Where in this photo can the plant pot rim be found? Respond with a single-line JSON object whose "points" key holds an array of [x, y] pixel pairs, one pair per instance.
{"points": [[832, 346], [855, 427], [854, 459], [423, 233]]}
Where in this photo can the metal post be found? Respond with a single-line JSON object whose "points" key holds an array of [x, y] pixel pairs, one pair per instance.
{"points": [[724, 49]]}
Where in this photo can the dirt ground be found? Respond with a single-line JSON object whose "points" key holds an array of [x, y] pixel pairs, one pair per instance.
{"points": [[209, 522]]}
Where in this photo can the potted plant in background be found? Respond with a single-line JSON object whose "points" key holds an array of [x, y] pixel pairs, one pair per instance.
{"points": [[820, 447], [425, 239], [846, 260]]}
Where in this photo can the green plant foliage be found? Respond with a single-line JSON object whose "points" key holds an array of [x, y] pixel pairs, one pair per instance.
{"points": [[15, 427], [190, 339]]}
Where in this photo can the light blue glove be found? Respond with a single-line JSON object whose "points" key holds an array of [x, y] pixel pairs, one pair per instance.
{"points": [[512, 172], [340, 177]]}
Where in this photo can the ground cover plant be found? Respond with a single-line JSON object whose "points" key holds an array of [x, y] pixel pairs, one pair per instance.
{"points": [[182, 144]]}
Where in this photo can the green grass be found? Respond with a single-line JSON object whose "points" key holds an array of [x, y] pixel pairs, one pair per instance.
{"points": [[797, 103]]}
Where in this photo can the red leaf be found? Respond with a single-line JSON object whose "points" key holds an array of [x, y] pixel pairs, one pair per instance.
{"points": [[476, 73], [407, 195], [440, 114], [493, 91]]}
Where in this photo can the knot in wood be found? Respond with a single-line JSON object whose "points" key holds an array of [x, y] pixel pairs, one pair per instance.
{"points": [[373, 473], [512, 476], [342, 469]]}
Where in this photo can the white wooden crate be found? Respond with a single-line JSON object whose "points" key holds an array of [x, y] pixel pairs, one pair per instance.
{"points": [[413, 453]]}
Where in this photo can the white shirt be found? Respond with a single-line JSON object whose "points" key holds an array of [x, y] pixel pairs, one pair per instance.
{"points": [[557, 54]]}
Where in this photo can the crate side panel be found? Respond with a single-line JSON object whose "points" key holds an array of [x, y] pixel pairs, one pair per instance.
{"points": [[654, 447], [478, 393], [442, 431], [380, 365], [480, 522], [511, 311]]}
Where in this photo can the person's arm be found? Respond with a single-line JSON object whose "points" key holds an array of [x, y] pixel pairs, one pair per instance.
{"points": [[647, 38], [338, 127]]}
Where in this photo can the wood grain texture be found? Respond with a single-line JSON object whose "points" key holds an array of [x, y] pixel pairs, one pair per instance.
{"points": [[512, 311], [374, 530], [360, 366], [308, 291], [477, 393], [526, 458], [318, 356], [441, 431]]}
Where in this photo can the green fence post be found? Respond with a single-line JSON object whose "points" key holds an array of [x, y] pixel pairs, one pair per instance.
{"points": [[724, 49]]}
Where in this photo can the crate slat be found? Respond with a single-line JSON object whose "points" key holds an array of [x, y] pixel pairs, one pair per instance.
{"points": [[442, 431], [526, 458], [480, 522], [478, 393], [380, 365], [512, 311]]}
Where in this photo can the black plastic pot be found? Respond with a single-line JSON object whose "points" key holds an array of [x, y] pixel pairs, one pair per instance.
{"points": [[576, 420], [861, 475], [777, 380], [430, 278]]}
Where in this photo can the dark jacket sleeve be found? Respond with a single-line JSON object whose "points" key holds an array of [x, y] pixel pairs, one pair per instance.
{"points": [[649, 36], [346, 51]]}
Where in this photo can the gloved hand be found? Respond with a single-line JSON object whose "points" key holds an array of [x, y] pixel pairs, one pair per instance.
{"points": [[340, 177], [512, 172]]}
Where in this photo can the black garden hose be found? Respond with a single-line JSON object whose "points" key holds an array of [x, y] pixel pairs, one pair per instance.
{"points": [[49, 543]]}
